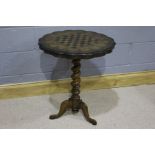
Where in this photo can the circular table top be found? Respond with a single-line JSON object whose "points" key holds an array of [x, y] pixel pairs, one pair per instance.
{"points": [[76, 44]]}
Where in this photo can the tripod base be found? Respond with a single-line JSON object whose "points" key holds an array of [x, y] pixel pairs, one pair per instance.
{"points": [[74, 102], [68, 104]]}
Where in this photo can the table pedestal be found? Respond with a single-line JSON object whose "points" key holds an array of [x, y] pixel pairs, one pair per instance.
{"points": [[74, 102]]}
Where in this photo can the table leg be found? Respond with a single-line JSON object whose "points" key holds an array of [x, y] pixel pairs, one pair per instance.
{"points": [[86, 114], [63, 108]]}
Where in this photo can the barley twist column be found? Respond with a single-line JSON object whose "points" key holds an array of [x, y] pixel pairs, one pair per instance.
{"points": [[75, 97]]}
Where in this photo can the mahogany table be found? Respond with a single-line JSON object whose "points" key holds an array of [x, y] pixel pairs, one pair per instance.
{"points": [[76, 45]]}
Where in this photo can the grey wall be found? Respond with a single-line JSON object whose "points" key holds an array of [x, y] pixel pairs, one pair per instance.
{"points": [[22, 61]]}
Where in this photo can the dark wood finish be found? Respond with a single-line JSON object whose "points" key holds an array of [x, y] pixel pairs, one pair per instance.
{"points": [[74, 102], [75, 98], [76, 44], [65, 105]]}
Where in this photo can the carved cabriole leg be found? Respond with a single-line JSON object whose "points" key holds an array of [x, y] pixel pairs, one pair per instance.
{"points": [[65, 105], [86, 114]]}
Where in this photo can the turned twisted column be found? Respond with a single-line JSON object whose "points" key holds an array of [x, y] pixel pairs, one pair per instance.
{"points": [[75, 97]]}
